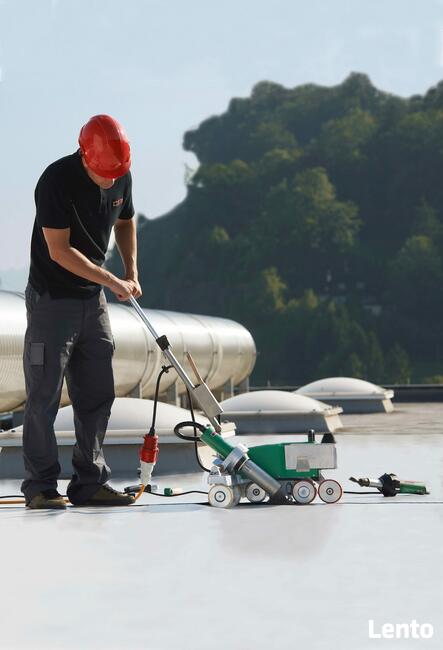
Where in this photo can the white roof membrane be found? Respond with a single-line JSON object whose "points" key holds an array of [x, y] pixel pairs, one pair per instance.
{"points": [[83, 577]]}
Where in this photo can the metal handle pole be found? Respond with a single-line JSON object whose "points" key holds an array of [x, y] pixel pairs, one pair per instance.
{"points": [[142, 315], [174, 361], [167, 352]]}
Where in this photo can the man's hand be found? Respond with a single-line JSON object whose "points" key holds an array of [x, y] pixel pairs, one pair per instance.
{"points": [[137, 290], [123, 289]]}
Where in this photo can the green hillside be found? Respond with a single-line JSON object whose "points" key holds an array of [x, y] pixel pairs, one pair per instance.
{"points": [[315, 219]]}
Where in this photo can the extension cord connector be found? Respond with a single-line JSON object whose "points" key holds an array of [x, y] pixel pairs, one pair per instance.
{"points": [[148, 458]]}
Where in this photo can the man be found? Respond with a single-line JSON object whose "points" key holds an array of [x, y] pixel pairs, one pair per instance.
{"points": [[79, 199]]}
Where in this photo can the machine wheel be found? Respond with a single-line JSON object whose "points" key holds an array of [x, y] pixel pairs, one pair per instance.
{"points": [[222, 496], [254, 493], [304, 492], [330, 491]]}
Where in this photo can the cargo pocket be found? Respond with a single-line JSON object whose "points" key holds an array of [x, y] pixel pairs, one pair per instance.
{"points": [[34, 365], [37, 354]]}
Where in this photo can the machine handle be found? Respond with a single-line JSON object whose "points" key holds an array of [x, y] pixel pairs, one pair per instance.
{"points": [[197, 375], [202, 393], [142, 315]]}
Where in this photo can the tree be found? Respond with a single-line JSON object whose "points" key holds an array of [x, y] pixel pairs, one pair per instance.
{"points": [[304, 229], [398, 370], [426, 222], [375, 363], [270, 292], [342, 141], [415, 279], [353, 366]]}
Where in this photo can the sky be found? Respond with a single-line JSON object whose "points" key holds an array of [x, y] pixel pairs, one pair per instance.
{"points": [[162, 66]]}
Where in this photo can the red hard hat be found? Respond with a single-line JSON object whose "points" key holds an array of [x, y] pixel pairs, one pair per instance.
{"points": [[104, 146]]}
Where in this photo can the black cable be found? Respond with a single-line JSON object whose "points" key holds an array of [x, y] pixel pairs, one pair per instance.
{"points": [[158, 494], [205, 469], [372, 492], [157, 389], [188, 423], [195, 425]]}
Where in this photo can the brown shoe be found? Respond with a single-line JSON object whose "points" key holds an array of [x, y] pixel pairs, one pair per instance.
{"points": [[107, 496], [47, 499]]}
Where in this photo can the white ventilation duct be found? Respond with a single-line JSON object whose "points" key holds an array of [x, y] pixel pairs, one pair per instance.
{"points": [[130, 420], [223, 350], [274, 411], [353, 395]]}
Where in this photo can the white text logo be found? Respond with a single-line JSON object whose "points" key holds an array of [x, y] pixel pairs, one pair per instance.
{"points": [[412, 630]]}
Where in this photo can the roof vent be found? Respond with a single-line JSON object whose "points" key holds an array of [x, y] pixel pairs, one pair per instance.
{"points": [[353, 395], [274, 411]]}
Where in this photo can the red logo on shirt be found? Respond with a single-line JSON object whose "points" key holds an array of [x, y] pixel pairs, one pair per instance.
{"points": [[117, 202]]}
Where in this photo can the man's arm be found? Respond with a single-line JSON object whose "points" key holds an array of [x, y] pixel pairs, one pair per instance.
{"points": [[126, 240], [61, 251]]}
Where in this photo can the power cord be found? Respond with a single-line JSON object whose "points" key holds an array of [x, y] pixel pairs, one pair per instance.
{"points": [[195, 438], [164, 370]]}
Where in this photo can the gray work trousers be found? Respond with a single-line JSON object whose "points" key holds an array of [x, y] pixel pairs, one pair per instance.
{"points": [[72, 338]]}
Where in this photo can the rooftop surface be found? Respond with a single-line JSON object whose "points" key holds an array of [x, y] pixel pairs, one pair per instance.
{"points": [[176, 574]]}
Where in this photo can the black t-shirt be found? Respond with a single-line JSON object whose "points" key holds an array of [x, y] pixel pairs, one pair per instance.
{"points": [[63, 189]]}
